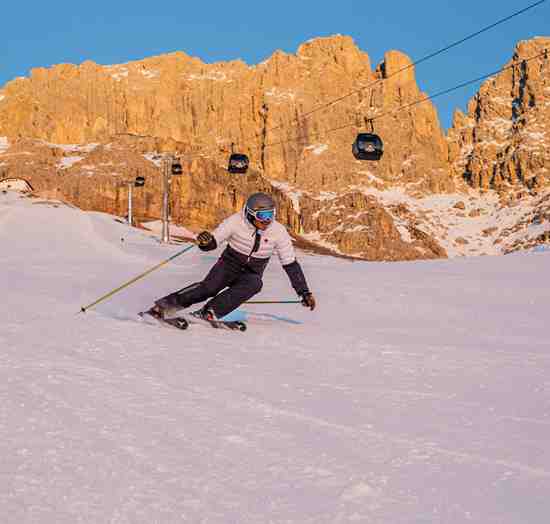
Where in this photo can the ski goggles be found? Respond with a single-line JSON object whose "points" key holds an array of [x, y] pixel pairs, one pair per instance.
{"points": [[263, 215]]}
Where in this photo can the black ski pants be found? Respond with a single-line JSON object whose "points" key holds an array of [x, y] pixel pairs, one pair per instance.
{"points": [[227, 284]]}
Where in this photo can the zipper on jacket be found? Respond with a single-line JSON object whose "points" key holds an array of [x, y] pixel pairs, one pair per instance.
{"points": [[256, 246]]}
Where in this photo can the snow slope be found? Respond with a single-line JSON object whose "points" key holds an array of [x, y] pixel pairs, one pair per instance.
{"points": [[416, 393]]}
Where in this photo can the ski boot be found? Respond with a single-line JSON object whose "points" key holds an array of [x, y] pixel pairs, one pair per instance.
{"points": [[206, 315], [164, 309], [159, 314]]}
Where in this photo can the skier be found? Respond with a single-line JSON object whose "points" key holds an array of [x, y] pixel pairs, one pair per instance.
{"points": [[252, 236]]}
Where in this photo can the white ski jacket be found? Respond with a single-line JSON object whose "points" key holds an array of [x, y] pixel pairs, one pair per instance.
{"points": [[240, 235]]}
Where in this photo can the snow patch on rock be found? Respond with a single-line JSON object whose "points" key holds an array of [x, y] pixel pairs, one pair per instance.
{"points": [[281, 94], [70, 148], [155, 158], [290, 192], [120, 74], [316, 238], [317, 149], [4, 144], [483, 227], [69, 161], [150, 73], [215, 76]]}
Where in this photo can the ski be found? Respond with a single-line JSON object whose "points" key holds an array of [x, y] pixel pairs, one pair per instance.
{"points": [[182, 323], [235, 325], [176, 322]]}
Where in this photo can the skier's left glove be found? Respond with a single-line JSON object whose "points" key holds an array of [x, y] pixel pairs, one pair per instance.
{"points": [[308, 300]]}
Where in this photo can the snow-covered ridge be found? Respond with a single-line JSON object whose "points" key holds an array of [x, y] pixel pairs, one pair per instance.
{"points": [[469, 224], [472, 224]]}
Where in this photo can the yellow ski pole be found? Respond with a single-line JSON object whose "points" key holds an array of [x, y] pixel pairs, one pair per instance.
{"points": [[111, 293]]}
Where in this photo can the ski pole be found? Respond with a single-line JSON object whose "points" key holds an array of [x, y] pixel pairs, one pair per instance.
{"points": [[111, 293], [274, 302]]}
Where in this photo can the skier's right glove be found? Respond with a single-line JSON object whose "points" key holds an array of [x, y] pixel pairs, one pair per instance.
{"points": [[206, 241], [308, 300]]}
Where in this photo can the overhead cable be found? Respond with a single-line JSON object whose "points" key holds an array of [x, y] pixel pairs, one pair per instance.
{"points": [[335, 101], [413, 64]]}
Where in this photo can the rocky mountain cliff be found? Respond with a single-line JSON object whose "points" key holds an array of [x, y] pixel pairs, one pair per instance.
{"points": [[502, 142], [124, 118]]}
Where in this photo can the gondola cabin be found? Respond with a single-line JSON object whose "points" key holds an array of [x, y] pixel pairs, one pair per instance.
{"points": [[238, 163], [368, 146], [176, 168], [139, 182]]}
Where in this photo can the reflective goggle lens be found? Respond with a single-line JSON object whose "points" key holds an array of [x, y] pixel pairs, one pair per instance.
{"points": [[265, 215]]}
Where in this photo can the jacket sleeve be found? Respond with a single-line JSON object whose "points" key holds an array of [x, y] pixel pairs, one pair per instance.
{"points": [[225, 229], [284, 247], [297, 277], [287, 256]]}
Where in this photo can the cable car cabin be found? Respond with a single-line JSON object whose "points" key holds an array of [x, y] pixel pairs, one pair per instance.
{"points": [[139, 182], [176, 168], [238, 163], [368, 146]]}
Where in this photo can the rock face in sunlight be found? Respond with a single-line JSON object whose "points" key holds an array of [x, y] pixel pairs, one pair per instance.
{"points": [[93, 178], [213, 105], [502, 143], [124, 117]]}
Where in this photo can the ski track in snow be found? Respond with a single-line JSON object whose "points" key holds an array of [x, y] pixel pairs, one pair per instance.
{"points": [[416, 393]]}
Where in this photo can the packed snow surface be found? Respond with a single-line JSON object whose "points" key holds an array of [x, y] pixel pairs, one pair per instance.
{"points": [[415, 393]]}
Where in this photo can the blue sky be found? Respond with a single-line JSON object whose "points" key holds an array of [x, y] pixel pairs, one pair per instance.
{"points": [[46, 33]]}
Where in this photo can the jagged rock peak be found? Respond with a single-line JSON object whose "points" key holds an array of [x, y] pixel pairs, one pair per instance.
{"points": [[536, 43], [335, 46], [503, 141], [212, 106]]}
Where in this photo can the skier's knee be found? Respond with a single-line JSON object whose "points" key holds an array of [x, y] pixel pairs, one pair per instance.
{"points": [[209, 289], [256, 284]]}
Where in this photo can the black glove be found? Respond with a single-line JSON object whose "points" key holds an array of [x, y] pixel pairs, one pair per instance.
{"points": [[206, 241], [308, 300]]}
